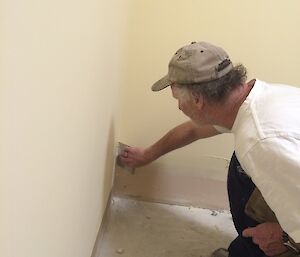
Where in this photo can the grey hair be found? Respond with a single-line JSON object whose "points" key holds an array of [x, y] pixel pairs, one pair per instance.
{"points": [[217, 90]]}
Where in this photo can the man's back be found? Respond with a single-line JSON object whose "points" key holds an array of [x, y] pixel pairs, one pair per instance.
{"points": [[267, 144]]}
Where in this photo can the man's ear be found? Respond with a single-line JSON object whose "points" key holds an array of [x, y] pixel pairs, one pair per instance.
{"points": [[198, 100]]}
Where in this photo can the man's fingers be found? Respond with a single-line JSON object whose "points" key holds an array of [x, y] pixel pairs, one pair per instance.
{"points": [[125, 152], [248, 232]]}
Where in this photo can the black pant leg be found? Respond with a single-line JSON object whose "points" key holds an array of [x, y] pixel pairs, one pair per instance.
{"points": [[240, 188]]}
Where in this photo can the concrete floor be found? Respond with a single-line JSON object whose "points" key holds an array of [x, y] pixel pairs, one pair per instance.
{"points": [[144, 229]]}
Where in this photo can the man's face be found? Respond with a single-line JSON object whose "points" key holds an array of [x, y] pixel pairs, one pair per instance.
{"points": [[186, 103]]}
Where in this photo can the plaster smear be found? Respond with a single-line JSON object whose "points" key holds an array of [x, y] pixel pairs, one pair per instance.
{"points": [[145, 229]]}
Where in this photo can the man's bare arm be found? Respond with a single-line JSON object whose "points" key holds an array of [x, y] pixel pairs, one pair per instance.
{"points": [[177, 137]]}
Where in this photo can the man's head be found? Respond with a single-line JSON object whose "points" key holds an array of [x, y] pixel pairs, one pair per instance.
{"points": [[204, 69], [195, 63]]}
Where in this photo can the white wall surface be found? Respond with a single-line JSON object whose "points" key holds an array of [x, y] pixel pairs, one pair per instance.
{"points": [[61, 66], [260, 34]]}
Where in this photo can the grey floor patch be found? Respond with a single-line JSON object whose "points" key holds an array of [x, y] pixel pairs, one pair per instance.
{"points": [[144, 229]]}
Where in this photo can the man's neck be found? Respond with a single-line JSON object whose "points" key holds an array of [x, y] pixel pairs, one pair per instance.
{"points": [[225, 114]]}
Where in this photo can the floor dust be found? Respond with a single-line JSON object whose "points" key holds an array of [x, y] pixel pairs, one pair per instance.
{"points": [[144, 229]]}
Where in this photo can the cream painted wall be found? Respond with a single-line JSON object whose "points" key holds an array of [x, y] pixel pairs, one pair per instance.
{"points": [[263, 35], [62, 63], [75, 77]]}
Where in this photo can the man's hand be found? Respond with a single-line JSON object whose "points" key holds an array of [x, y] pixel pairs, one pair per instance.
{"points": [[135, 156], [268, 236]]}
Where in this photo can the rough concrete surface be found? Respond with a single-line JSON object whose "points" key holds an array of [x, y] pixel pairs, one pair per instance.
{"points": [[145, 229]]}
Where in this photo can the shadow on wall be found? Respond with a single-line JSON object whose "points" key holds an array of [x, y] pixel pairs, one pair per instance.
{"points": [[106, 186], [109, 165]]}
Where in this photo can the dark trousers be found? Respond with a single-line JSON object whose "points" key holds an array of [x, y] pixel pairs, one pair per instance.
{"points": [[240, 188]]}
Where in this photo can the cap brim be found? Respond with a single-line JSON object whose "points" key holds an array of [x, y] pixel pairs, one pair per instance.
{"points": [[161, 84]]}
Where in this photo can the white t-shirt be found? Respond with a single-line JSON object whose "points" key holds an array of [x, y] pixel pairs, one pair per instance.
{"points": [[267, 145]]}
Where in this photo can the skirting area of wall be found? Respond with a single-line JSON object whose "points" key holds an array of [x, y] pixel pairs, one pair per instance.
{"points": [[171, 189]]}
